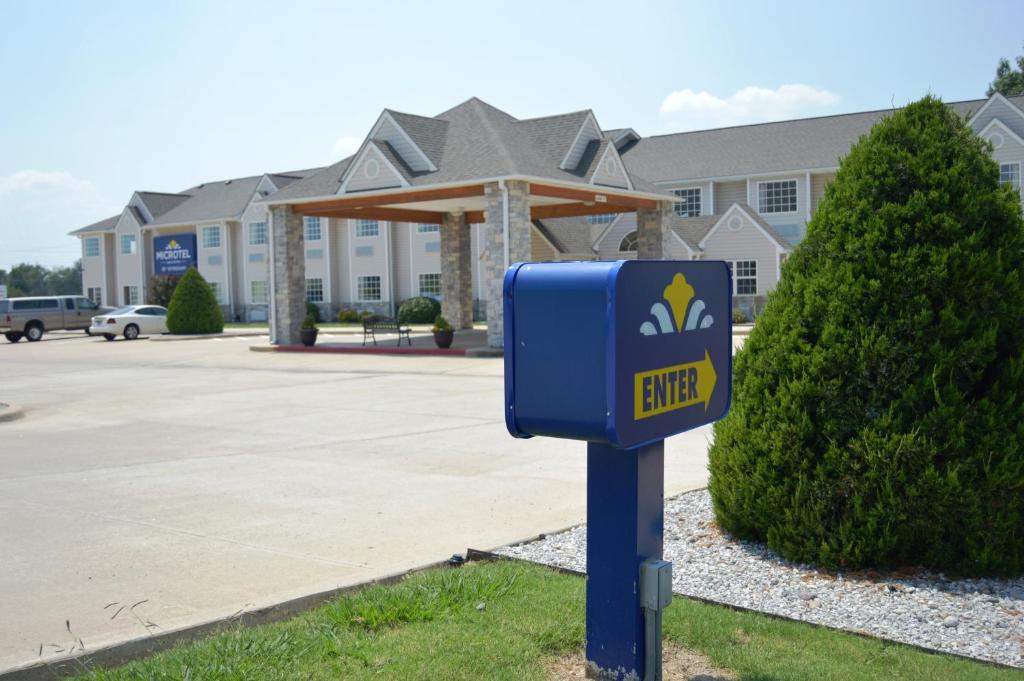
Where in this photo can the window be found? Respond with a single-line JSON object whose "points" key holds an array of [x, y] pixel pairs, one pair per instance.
{"points": [[628, 242], [95, 294], [91, 246], [744, 277], [128, 244], [131, 295], [776, 197], [211, 236], [311, 229], [258, 292], [257, 233], [428, 229], [688, 205], [603, 219], [1009, 173], [367, 228], [314, 290], [430, 284], [85, 303], [218, 291], [368, 288]]}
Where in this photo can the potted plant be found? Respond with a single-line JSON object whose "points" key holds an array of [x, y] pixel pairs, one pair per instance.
{"points": [[443, 333], [308, 331]]}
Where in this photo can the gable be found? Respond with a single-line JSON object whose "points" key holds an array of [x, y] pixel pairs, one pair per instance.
{"points": [[129, 222], [388, 130], [736, 226], [371, 170], [610, 171], [1001, 109], [1007, 146], [587, 133]]}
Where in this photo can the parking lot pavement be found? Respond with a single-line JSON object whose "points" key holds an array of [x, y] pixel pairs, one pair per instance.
{"points": [[199, 479]]}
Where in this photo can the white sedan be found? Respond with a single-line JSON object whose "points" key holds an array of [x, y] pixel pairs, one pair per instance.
{"points": [[130, 322]]}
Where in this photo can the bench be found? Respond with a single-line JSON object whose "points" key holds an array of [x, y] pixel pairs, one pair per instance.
{"points": [[372, 325]]}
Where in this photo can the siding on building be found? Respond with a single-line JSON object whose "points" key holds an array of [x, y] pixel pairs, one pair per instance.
{"points": [[424, 256], [818, 183], [128, 266], [362, 178], [728, 193], [747, 242], [540, 249], [1006, 113], [616, 177], [608, 246]]}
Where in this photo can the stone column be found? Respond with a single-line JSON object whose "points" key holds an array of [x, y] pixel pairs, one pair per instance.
{"points": [[288, 271], [652, 231], [518, 246], [456, 272]]}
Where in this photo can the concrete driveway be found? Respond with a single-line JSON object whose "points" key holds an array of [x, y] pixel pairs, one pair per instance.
{"points": [[199, 479]]}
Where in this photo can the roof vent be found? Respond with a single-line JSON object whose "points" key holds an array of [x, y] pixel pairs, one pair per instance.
{"points": [[228, 182]]}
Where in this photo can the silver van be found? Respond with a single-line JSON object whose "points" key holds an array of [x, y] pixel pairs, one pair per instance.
{"points": [[30, 317]]}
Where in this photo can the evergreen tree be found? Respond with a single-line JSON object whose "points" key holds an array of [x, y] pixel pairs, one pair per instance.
{"points": [[193, 307], [1009, 82], [878, 402]]}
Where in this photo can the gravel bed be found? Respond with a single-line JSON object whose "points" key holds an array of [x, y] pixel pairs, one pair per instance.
{"points": [[980, 618]]}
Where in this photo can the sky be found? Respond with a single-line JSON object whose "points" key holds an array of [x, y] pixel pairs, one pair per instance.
{"points": [[98, 99]]}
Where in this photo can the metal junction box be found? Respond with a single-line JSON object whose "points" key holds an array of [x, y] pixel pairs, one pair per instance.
{"points": [[623, 353]]}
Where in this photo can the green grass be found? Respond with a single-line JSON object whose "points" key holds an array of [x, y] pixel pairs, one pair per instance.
{"points": [[430, 627]]}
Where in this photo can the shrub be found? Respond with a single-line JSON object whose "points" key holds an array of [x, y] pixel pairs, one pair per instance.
{"points": [[193, 307], [161, 290], [441, 324], [876, 417], [312, 309], [309, 322], [739, 316], [347, 316], [419, 310]]}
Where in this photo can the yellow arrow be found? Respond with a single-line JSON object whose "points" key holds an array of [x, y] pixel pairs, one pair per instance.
{"points": [[676, 387]]}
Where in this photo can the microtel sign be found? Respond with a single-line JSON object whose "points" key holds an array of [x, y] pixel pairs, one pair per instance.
{"points": [[174, 254]]}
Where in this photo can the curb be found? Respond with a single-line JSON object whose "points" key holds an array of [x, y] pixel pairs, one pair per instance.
{"points": [[484, 352], [170, 338], [138, 648], [396, 351], [10, 412]]}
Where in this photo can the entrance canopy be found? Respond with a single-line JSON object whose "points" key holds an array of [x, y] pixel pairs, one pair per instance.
{"points": [[471, 164], [430, 205]]}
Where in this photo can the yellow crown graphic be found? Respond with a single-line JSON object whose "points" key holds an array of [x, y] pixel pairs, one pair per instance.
{"points": [[171, 244]]}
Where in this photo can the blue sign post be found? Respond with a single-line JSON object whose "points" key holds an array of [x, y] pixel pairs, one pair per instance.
{"points": [[173, 255], [621, 355]]}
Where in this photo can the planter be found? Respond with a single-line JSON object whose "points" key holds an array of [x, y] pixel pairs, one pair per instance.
{"points": [[308, 336], [443, 339]]}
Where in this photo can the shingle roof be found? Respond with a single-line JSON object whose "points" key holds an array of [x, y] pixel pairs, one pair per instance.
{"points": [[212, 201], [428, 133], [570, 236], [158, 203], [761, 148], [476, 141], [104, 225], [693, 230]]}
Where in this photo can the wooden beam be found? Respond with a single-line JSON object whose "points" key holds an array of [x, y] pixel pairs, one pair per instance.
{"points": [[566, 210], [389, 199], [596, 195], [474, 217], [427, 217]]}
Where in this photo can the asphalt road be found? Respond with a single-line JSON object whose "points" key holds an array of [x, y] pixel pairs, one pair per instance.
{"points": [[197, 479]]}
